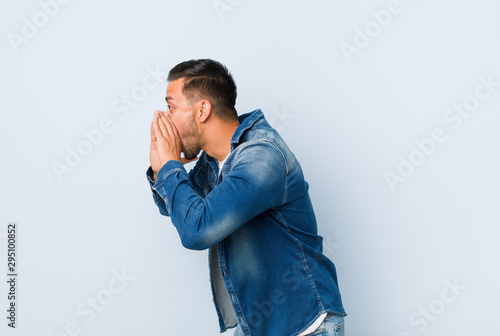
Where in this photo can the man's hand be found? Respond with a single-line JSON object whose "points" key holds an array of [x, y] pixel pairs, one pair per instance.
{"points": [[165, 143], [153, 152]]}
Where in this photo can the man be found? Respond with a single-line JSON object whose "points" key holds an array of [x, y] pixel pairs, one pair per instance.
{"points": [[247, 202]]}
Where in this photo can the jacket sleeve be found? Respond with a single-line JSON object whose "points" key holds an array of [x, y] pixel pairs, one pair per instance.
{"points": [[160, 203], [159, 200], [255, 183]]}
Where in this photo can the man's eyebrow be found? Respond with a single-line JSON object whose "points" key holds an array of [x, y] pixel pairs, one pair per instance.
{"points": [[168, 98]]}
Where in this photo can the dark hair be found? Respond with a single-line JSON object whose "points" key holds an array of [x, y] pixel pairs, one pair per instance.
{"points": [[211, 80]]}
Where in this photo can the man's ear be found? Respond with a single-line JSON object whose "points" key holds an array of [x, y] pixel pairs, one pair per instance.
{"points": [[204, 110]]}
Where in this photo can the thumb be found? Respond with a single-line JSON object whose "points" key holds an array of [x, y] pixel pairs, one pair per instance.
{"points": [[184, 160]]}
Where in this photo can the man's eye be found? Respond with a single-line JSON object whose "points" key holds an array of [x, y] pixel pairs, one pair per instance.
{"points": [[169, 107]]}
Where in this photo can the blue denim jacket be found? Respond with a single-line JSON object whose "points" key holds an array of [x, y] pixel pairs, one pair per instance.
{"points": [[267, 269]]}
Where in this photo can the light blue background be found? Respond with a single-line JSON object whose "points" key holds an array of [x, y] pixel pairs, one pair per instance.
{"points": [[348, 122]]}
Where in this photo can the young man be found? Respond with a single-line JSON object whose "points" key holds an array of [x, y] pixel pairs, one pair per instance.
{"points": [[247, 202]]}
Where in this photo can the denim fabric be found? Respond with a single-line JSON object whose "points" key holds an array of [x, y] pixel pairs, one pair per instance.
{"points": [[333, 325], [257, 221]]}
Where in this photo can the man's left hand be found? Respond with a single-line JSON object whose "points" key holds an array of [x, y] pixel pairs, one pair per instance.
{"points": [[168, 141]]}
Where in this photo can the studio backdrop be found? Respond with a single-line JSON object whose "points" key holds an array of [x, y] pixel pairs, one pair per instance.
{"points": [[392, 107]]}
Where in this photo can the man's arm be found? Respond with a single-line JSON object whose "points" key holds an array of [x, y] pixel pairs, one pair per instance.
{"points": [[256, 183], [159, 201]]}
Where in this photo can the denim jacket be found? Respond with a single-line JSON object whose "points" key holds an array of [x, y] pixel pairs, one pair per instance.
{"points": [[267, 269]]}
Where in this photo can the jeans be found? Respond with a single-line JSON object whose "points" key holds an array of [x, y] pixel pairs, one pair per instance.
{"points": [[332, 325]]}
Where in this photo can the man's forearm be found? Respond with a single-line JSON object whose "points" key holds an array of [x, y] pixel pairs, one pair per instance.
{"points": [[159, 201]]}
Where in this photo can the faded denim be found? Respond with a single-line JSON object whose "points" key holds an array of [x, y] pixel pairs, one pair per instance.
{"points": [[258, 224], [332, 325]]}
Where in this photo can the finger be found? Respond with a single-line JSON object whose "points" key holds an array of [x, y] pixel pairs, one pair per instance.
{"points": [[153, 136], [184, 160], [171, 127], [174, 129], [162, 126], [168, 124], [156, 126]]}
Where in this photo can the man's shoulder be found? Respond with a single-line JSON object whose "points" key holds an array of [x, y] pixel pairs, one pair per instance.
{"points": [[266, 144], [259, 151]]}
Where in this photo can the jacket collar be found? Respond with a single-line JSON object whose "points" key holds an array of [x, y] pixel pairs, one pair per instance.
{"points": [[247, 120]]}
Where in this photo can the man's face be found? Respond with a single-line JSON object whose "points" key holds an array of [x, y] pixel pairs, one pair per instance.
{"points": [[182, 114]]}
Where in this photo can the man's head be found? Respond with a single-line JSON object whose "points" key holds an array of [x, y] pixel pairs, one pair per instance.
{"points": [[200, 95]]}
